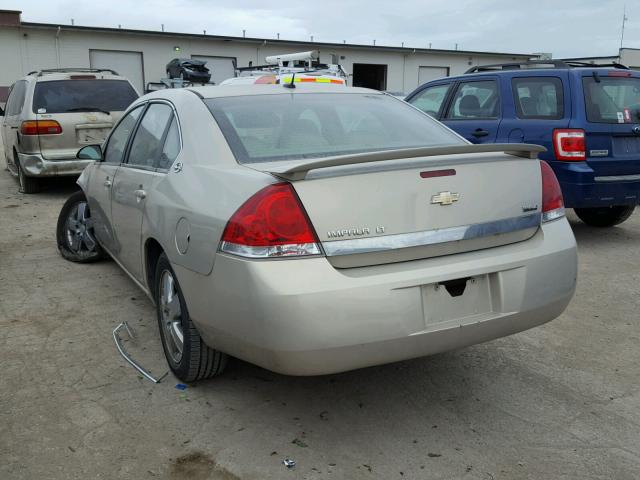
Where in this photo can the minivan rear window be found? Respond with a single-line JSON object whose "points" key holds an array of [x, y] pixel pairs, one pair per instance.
{"points": [[612, 99], [62, 96]]}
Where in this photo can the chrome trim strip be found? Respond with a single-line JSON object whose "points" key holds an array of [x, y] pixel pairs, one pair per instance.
{"points": [[277, 251], [553, 214], [430, 237], [617, 178]]}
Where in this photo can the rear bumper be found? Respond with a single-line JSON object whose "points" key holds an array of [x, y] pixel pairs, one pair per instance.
{"points": [[34, 165], [583, 188], [304, 317], [601, 193]]}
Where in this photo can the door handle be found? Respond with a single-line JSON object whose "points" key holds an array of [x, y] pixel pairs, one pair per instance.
{"points": [[107, 183], [479, 132], [140, 194]]}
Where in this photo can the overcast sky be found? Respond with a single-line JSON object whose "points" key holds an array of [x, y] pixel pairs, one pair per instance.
{"points": [[564, 28]]}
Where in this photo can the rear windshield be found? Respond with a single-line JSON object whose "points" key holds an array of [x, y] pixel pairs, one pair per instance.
{"points": [[612, 99], [265, 128], [61, 96]]}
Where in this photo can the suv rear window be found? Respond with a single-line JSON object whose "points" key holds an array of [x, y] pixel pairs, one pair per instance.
{"points": [[538, 97], [612, 99], [263, 128], [62, 96]]}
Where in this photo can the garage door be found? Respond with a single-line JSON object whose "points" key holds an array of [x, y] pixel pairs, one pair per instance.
{"points": [[128, 64], [426, 74], [221, 68]]}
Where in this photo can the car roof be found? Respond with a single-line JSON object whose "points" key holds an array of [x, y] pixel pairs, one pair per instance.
{"points": [[245, 90], [585, 71]]}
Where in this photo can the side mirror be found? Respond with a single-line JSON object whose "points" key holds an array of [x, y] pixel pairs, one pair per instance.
{"points": [[90, 152], [1, 112]]}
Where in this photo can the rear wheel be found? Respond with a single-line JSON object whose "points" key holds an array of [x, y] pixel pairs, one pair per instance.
{"points": [[604, 216], [27, 184], [74, 232], [189, 358]]}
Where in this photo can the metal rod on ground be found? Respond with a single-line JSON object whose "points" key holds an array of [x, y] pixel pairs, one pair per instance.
{"points": [[128, 358]]}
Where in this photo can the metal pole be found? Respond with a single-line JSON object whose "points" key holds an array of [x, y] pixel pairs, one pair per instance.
{"points": [[624, 20]]}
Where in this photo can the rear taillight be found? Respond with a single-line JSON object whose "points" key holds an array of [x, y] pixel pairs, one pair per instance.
{"points": [[552, 203], [40, 127], [569, 144], [271, 224]]}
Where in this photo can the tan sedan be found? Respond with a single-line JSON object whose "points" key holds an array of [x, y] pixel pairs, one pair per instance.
{"points": [[313, 230]]}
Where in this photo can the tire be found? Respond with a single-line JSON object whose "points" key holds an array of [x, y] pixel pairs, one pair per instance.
{"points": [[604, 216], [27, 184], [193, 360], [74, 232]]}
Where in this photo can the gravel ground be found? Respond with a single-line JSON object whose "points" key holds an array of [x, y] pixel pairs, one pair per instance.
{"points": [[561, 401]]}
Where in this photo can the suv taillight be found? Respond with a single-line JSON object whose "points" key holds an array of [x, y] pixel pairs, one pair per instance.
{"points": [[40, 127], [569, 144], [271, 224], [552, 203]]}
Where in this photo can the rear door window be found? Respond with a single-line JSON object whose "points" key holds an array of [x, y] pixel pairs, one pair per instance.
{"points": [[538, 97], [612, 99], [147, 144], [172, 146], [62, 96], [475, 100], [430, 99]]}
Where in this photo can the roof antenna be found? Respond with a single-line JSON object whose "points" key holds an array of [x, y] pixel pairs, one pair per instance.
{"points": [[290, 84]]}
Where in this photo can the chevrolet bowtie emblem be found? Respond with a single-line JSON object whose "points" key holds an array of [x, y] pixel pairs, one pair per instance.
{"points": [[445, 198]]}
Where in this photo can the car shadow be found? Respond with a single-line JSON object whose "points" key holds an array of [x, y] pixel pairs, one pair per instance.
{"points": [[60, 187], [448, 393], [623, 234]]}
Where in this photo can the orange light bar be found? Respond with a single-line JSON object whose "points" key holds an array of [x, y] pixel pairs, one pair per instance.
{"points": [[40, 127]]}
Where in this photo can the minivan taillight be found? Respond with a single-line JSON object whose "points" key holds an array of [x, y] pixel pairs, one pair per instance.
{"points": [[552, 202], [569, 144], [40, 127], [271, 224]]}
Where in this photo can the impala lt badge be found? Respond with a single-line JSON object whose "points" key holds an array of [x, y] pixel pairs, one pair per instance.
{"points": [[445, 198]]}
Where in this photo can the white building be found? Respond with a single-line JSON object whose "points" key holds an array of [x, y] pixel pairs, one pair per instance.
{"points": [[626, 56], [142, 55]]}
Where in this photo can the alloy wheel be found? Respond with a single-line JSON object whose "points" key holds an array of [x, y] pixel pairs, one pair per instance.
{"points": [[79, 230], [171, 314]]}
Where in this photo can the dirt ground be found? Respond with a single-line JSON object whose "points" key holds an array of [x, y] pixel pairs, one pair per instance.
{"points": [[561, 401]]}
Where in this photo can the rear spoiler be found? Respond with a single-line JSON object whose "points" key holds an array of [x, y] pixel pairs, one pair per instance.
{"points": [[299, 171]]}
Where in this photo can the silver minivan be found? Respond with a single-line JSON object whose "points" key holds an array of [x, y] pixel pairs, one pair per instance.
{"points": [[51, 114]]}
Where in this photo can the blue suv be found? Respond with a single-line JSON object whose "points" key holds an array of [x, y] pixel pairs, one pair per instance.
{"points": [[587, 116]]}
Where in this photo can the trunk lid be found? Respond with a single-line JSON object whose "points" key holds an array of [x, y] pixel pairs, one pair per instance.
{"points": [[405, 209]]}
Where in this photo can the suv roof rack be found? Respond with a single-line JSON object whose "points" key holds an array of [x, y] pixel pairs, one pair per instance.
{"points": [[542, 64], [70, 70]]}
